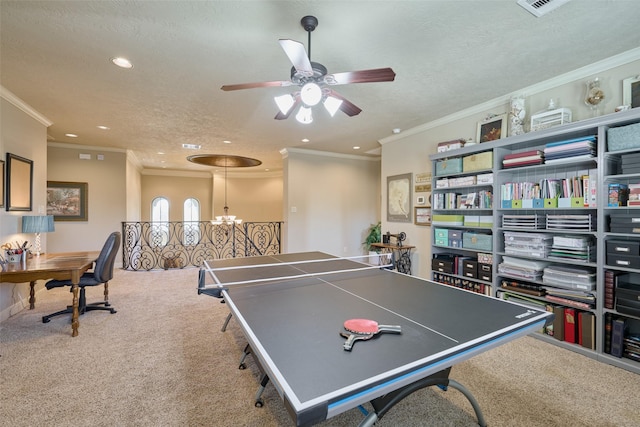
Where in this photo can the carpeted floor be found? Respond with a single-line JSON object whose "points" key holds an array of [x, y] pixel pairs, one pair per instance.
{"points": [[161, 360]]}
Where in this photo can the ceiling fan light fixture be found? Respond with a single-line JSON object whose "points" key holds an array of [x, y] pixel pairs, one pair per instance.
{"points": [[284, 102], [332, 105], [311, 94], [304, 115]]}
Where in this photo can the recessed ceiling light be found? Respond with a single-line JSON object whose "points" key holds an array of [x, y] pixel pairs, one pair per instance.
{"points": [[103, 127], [226, 141], [122, 62], [71, 135], [396, 130], [356, 147], [267, 169], [305, 140], [191, 146], [160, 152]]}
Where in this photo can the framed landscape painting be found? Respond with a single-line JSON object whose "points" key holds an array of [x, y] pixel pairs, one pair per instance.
{"points": [[67, 201]]}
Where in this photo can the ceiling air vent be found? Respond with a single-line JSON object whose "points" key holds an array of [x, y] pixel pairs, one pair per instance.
{"points": [[541, 7]]}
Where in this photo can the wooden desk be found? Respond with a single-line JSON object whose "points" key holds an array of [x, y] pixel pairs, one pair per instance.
{"points": [[61, 266], [403, 261]]}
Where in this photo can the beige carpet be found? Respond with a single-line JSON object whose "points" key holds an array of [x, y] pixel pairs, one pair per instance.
{"points": [[162, 361]]}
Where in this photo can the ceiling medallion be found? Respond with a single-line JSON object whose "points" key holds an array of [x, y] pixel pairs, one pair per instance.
{"points": [[225, 161]]}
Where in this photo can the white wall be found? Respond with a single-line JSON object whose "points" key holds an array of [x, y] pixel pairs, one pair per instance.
{"points": [[410, 150], [330, 201], [23, 132], [107, 196]]}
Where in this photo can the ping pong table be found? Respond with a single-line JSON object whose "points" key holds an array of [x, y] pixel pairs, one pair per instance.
{"points": [[291, 309]]}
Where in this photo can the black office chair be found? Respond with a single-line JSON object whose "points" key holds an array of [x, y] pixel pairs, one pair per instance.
{"points": [[102, 273]]}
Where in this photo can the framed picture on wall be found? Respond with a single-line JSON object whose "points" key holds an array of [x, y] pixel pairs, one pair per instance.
{"points": [[492, 128], [67, 201], [19, 183], [399, 198], [631, 91], [423, 216], [1, 183]]}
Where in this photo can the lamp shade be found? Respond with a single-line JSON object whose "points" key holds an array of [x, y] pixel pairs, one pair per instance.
{"points": [[37, 224]]}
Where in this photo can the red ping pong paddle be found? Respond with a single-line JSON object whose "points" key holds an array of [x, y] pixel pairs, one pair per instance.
{"points": [[365, 329]]}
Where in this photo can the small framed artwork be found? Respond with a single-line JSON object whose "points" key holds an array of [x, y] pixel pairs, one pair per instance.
{"points": [[492, 128], [1, 183], [19, 183], [631, 91], [423, 216], [67, 201], [399, 198]]}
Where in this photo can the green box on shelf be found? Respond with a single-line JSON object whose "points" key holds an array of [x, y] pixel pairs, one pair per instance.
{"points": [[486, 221], [577, 202], [479, 241], [551, 203], [516, 204], [471, 220], [441, 233], [448, 166]]}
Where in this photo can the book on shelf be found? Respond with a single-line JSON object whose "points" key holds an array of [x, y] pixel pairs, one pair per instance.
{"points": [[610, 282], [617, 337], [587, 328], [618, 194], [529, 153], [558, 322], [568, 302], [570, 325], [631, 347], [608, 326]]}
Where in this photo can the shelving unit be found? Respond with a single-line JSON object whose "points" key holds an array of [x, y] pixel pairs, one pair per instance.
{"points": [[549, 224]]}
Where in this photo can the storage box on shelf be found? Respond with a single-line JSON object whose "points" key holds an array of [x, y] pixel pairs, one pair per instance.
{"points": [[552, 186], [462, 202]]}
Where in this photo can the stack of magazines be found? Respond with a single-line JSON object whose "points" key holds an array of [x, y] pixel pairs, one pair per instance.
{"points": [[574, 248], [521, 268]]}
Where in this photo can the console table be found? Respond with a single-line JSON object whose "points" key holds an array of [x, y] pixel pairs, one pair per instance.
{"points": [[401, 255]]}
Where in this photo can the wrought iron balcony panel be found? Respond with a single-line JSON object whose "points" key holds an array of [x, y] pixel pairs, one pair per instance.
{"points": [[156, 245]]}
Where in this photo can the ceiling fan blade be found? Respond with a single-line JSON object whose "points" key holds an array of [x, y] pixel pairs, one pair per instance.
{"points": [[280, 83], [281, 116], [297, 55], [363, 76], [347, 107]]}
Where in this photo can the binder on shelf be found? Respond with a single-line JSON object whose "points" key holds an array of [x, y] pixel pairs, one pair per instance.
{"points": [[570, 325]]}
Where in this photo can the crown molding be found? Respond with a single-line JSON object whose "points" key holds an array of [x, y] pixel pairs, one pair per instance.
{"points": [[26, 108], [563, 79], [285, 153]]}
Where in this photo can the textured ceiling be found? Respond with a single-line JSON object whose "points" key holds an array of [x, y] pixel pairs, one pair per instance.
{"points": [[447, 55]]}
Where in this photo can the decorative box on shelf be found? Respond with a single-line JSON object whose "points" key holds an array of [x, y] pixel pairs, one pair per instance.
{"points": [[547, 119]]}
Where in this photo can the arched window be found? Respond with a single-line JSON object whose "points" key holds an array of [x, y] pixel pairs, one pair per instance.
{"points": [[190, 219], [159, 221]]}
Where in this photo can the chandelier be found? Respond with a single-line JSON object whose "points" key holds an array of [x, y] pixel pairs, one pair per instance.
{"points": [[226, 161]]}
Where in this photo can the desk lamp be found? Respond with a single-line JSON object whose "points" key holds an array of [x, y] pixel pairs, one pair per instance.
{"points": [[37, 224]]}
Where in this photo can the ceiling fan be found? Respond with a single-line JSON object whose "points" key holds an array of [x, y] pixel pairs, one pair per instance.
{"points": [[314, 81]]}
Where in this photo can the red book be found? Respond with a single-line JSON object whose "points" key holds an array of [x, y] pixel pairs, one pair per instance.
{"points": [[523, 154], [570, 324]]}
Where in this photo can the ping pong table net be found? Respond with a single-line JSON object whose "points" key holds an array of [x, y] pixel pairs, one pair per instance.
{"points": [[216, 279]]}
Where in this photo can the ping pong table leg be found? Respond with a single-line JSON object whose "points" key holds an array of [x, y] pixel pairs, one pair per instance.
{"points": [[245, 353], [263, 384], [383, 404], [226, 322]]}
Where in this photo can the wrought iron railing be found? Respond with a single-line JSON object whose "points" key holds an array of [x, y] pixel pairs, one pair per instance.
{"points": [[156, 245]]}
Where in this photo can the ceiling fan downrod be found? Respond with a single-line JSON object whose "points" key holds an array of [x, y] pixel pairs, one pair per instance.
{"points": [[309, 23]]}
